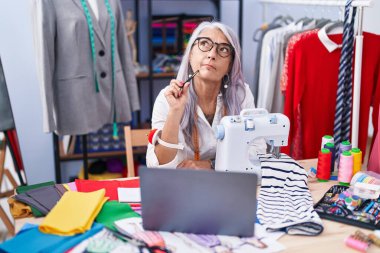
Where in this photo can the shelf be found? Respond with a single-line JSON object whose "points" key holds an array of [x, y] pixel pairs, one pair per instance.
{"points": [[94, 155], [145, 75]]}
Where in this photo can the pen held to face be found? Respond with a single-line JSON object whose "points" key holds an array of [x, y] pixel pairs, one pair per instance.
{"points": [[189, 79]]}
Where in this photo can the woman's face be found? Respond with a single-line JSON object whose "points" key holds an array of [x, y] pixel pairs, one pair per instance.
{"points": [[215, 63]]}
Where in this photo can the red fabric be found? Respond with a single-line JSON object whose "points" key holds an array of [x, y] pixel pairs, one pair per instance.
{"points": [[374, 158], [312, 85], [13, 141], [109, 185]]}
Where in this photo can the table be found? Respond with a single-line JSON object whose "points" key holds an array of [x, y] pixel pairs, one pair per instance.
{"points": [[331, 239], [334, 233]]}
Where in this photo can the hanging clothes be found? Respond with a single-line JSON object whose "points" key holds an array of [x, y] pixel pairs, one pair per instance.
{"points": [[83, 89], [311, 70], [6, 116], [271, 62], [256, 71]]}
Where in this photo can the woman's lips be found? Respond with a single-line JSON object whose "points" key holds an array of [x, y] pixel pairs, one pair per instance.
{"points": [[208, 66]]}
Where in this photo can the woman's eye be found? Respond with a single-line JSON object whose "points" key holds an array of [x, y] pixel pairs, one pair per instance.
{"points": [[204, 43], [224, 49]]}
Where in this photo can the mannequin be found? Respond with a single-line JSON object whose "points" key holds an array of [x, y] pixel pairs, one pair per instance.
{"points": [[84, 85], [130, 27]]}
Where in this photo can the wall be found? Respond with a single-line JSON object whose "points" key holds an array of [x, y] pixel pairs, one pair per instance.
{"points": [[17, 54]]}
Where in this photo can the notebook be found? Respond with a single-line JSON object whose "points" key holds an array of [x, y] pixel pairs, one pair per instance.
{"points": [[197, 201]]}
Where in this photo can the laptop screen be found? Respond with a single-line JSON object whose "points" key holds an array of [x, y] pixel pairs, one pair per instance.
{"points": [[197, 201]]}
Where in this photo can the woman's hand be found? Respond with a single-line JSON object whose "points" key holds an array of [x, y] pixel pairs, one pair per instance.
{"points": [[177, 94], [201, 165]]}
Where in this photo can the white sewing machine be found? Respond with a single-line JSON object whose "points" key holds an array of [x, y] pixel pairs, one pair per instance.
{"points": [[235, 134]]}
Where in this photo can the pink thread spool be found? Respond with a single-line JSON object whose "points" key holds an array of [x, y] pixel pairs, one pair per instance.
{"points": [[356, 244], [346, 165]]}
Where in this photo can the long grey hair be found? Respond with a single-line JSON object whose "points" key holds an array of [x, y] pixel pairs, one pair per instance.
{"points": [[231, 100]]}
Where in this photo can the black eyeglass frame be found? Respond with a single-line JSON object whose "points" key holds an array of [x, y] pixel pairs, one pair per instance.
{"points": [[217, 46]]}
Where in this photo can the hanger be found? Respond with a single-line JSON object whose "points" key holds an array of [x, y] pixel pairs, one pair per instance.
{"points": [[265, 26], [287, 19], [322, 22], [333, 26], [305, 21]]}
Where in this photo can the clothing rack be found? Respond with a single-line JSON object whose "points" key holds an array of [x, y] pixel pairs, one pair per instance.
{"points": [[360, 4]]}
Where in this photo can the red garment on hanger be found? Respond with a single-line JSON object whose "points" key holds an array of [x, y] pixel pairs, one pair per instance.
{"points": [[374, 158], [311, 91]]}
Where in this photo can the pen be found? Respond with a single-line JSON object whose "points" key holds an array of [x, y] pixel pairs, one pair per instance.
{"points": [[189, 79]]}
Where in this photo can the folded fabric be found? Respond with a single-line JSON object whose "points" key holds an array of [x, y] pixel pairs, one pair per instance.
{"points": [[285, 203], [113, 211], [19, 209], [24, 198], [47, 196], [71, 186], [31, 240], [110, 186], [74, 213], [60, 189], [22, 189]]}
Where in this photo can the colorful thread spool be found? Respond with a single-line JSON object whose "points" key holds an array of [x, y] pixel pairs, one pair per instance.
{"points": [[327, 139], [357, 154], [344, 146], [345, 168], [323, 167], [330, 146], [356, 244], [364, 178]]}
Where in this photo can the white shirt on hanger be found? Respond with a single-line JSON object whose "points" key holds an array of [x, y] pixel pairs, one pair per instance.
{"points": [[94, 7], [270, 42], [207, 140]]}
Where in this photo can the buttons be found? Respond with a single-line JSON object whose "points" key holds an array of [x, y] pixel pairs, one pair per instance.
{"points": [[101, 53], [103, 74]]}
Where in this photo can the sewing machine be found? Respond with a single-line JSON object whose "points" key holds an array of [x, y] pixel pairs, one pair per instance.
{"points": [[235, 134]]}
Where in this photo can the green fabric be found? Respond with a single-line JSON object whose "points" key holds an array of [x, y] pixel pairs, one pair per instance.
{"points": [[113, 211], [22, 189]]}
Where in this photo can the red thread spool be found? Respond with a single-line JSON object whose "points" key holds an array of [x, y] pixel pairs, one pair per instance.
{"points": [[324, 163]]}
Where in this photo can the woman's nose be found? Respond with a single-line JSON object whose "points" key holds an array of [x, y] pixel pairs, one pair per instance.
{"points": [[212, 53]]}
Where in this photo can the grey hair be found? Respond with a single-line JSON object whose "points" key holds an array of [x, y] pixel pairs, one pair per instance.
{"points": [[231, 100]]}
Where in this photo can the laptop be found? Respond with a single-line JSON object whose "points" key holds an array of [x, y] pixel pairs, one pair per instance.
{"points": [[197, 201]]}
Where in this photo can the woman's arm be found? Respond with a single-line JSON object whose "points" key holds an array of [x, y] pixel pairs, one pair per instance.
{"points": [[176, 96]]}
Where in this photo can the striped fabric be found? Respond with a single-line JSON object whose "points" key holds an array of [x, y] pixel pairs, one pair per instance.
{"points": [[285, 203], [342, 121]]}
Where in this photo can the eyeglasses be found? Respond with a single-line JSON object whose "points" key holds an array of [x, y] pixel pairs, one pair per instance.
{"points": [[206, 44]]}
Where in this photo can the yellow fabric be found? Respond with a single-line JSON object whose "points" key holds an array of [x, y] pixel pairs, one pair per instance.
{"points": [[103, 176], [74, 213], [19, 209]]}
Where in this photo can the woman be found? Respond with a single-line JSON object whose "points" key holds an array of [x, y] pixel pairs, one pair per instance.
{"points": [[187, 112]]}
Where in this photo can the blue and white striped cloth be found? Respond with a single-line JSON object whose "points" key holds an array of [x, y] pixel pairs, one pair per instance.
{"points": [[285, 203]]}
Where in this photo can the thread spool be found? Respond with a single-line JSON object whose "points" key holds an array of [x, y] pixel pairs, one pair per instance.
{"points": [[345, 168], [323, 167], [344, 146], [330, 146], [357, 154], [356, 244], [327, 139], [362, 177]]}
